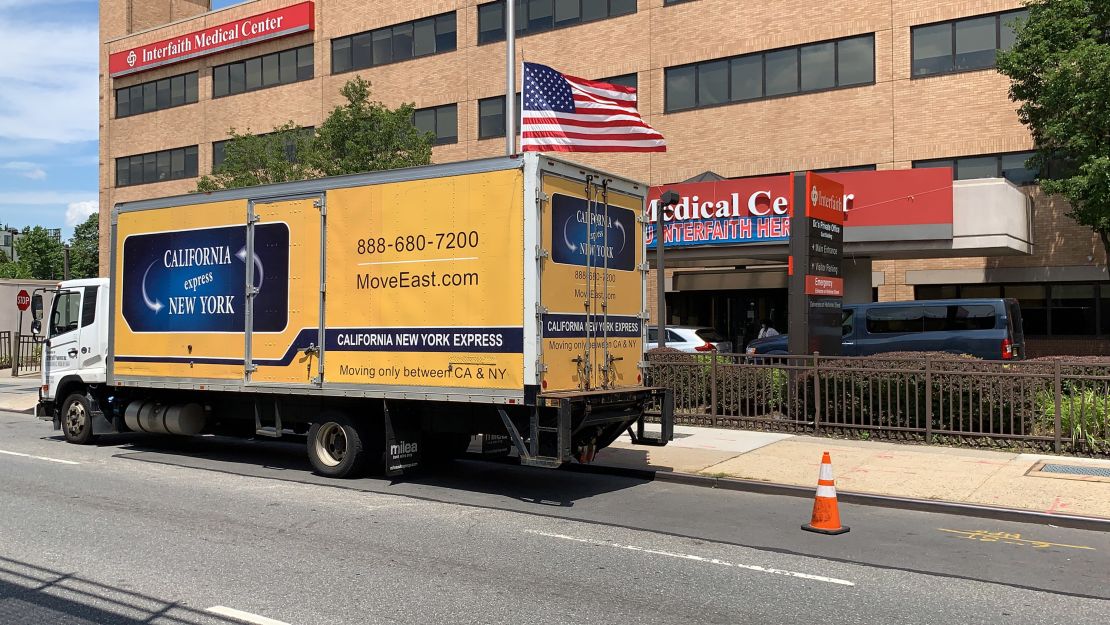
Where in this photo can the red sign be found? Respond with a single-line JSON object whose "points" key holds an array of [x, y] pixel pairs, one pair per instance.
{"points": [[23, 300], [249, 30], [823, 285], [900, 197], [824, 198]]}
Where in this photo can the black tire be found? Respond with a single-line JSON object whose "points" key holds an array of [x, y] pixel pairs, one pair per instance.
{"points": [[336, 447], [76, 419]]}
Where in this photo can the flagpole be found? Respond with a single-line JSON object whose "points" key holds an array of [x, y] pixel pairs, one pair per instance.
{"points": [[510, 77]]}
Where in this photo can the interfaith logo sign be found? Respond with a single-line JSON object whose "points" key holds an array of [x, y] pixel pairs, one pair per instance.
{"points": [[247, 31]]}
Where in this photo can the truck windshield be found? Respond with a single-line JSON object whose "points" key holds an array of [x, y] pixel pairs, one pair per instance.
{"points": [[66, 313]]}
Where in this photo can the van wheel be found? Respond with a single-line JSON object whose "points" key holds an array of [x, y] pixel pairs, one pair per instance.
{"points": [[77, 419], [335, 446]]}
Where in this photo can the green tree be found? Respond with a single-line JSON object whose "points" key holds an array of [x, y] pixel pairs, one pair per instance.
{"points": [[361, 135], [84, 249], [1060, 72], [251, 159], [39, 253]]}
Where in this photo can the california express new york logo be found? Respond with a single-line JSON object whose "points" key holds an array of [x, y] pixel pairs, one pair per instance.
{"points": [[583, 234], [195, 280]]}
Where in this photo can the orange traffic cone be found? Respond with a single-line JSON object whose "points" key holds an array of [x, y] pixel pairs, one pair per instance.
{"points": [[826, 514]]}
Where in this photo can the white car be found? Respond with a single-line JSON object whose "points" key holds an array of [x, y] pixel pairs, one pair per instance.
{"points": [[690, 339]]}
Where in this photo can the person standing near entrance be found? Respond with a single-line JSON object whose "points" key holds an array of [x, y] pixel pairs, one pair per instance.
{"points": [[767, 330]]}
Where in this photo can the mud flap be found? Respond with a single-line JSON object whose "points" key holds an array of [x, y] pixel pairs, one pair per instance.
{"points": [[403, 443]]}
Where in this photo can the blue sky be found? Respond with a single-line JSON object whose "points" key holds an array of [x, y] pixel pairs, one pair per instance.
{"points": [[48, 111]]}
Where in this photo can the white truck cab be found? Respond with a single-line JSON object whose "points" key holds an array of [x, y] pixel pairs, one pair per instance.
{"points": [[74, 355]]}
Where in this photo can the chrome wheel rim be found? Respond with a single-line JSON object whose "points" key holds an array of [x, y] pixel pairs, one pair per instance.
{"points": [[331, 444], [75, 419]]}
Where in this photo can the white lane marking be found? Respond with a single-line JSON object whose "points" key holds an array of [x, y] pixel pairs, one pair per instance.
{"points": [[16, 453], [422, 260], [686, 556], [246, 617]]}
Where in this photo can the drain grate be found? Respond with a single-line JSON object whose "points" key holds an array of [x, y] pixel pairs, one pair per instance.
{"points": [[1075, 470]]}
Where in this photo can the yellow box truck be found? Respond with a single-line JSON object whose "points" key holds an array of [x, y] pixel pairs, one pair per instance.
{"points": [[388, 316]]}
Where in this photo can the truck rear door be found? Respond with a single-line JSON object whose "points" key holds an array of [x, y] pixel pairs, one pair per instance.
{"points": [[591, 285], [284, 291]]}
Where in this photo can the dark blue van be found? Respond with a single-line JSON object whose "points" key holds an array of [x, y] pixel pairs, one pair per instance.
{"points": [[987, 328]]}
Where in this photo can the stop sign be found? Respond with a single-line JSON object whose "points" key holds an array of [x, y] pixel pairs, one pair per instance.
{"points": [[23, 300]]}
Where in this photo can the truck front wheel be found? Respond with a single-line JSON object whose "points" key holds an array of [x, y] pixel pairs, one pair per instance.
{"points": [[335, 446], [77, 419]]}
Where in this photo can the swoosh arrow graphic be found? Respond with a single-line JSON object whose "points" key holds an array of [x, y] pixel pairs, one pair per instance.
{"points": [[242, 255], [154, 305]]}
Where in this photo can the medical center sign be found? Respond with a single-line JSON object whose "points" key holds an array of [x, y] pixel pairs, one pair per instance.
{"points": [[725, 212], [250, 30]]}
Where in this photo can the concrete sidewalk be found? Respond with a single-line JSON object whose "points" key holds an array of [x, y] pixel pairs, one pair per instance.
{"points": [[19, 394], [969, 476]]}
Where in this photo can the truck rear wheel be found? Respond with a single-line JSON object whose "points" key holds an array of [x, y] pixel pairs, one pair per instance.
{"points": [[77, 419], [335, 446]]}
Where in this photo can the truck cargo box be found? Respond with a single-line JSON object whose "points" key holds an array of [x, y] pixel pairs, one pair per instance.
{"points": [[488, 281]]}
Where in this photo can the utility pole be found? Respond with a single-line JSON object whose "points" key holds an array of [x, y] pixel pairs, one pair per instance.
{"points": [[510, 77], [666, 201]]}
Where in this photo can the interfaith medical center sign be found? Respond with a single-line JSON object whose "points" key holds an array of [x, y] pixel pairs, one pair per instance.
{"points": [[249, 30], [903, 204]]}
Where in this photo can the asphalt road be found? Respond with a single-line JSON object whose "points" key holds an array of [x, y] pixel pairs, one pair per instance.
{"points": [[142, 529]]}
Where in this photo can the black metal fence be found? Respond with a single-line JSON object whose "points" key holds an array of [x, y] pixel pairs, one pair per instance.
{"points": [[1057, 404], [5, 349], [28, 354]]}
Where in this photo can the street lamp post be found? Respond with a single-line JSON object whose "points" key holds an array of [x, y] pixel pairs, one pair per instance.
{"points": [[666, 201]]}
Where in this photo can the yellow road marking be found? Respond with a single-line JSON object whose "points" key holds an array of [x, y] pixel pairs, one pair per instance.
{"points": [[1009, 538]]}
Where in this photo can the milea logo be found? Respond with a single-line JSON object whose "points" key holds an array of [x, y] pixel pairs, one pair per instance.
{"points": [[403, 447]]}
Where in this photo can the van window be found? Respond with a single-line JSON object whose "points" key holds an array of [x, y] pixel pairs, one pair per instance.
{"points": [[88, 306], [960, 318], [848, 322], [894, 320]]}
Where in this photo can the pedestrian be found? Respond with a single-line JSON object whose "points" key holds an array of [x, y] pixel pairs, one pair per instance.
{"points": [[767, 330]]}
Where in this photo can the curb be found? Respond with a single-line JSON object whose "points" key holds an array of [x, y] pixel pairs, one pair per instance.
{"points": [[1016, 515]]}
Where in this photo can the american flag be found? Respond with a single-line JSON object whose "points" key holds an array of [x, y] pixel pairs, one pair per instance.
{"points": [[568, 114]]}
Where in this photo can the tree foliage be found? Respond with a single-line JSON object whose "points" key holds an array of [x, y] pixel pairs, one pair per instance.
{"points": [[40, 255], [360, 135], [84, 249], [1060, 72]]}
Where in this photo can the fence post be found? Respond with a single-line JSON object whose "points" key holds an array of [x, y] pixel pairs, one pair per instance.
{"points": [[15, 354], [1057, 393], [713, 387], [816, 394], [928, 401]]}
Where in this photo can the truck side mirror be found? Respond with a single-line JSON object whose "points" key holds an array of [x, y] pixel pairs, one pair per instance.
{"points": [[36, 327], [36, 307]]}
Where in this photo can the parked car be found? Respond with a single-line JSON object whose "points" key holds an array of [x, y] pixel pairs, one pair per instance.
{"points": [[987, 328], [691, 339]]}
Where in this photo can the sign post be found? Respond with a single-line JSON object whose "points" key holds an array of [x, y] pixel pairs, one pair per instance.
{"points": [[816, 280]]}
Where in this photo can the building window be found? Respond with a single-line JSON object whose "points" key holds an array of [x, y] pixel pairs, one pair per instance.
{"points": [[219, 148], [441, 121], [1011, 166], [801, 69], [399, 42], [624, 80], [534, 16], [1057, 309], [491, 116], [279, 68], [156, 166], [963, 45], [844, 170], [165, 93]]}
